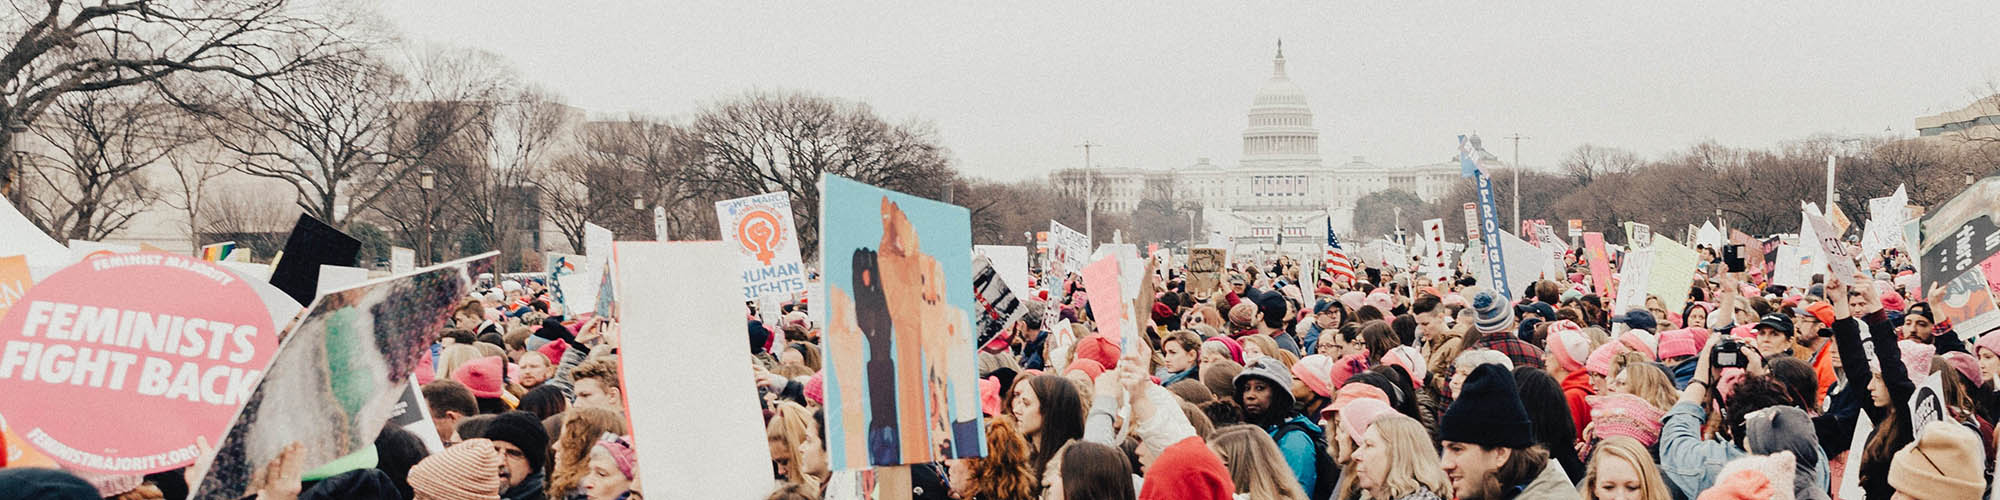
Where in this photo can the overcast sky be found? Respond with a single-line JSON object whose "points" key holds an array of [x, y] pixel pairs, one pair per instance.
{"points": [[1012, 87]]}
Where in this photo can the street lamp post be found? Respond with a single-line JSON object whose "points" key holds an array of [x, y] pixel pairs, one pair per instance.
{"points": [[426, 181]]}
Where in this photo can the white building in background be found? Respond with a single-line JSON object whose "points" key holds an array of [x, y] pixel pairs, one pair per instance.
{"points": [[1281, 186]]}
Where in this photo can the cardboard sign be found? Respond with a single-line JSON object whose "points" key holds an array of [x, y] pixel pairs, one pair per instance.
{"points": [[1673, 271], [900, 378], [337, 377], [1638, 236], [402, 260], [1008, 260], [1839, 258], [1471, 223], [1067, 247], [1436, 264], [682, 343], [1708, 235], [171, 337], [1205, 269], [338, 277], [766, 241], [217, 252], [1634, 278], [1575, 228], [998, 307], [312, 244], [1794, 267]]}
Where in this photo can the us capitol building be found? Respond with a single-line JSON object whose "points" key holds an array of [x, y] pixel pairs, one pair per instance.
{"points": [[1282, 184]]}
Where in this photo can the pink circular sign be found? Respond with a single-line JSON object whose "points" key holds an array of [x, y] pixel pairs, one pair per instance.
{"points": [[118, 363]]}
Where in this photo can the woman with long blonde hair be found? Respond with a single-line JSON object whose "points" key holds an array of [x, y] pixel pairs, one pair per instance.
{"points": [[1254, 463], [582, 426], [790, 426], [1632, 374], [1623, 469], [1395, 461]]}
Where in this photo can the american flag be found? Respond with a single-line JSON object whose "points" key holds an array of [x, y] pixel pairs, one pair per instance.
{"points": [[1337, 265]]}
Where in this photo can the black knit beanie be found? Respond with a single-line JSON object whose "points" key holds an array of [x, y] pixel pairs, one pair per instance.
{"points": [[524, 431], [1488, 412]]}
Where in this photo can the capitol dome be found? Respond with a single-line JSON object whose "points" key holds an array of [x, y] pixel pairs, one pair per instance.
{"points": [[1281, 129]]}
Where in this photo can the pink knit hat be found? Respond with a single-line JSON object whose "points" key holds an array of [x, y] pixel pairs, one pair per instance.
{"points": [[1916, 357], [1965, 364], [1088, 366], [1625, 415], [1990, 342], [989, 395], [1678, 343], [1350, 393], [1346, 367], [1600, 359], [466, 470], [1360, 414], [816, 387], [1317, 372], [482, 376], [1235, 348], [1353, 299], [1642, 341], [1101, 348], [1569, 347], [1409, 359], [1382, 302]]}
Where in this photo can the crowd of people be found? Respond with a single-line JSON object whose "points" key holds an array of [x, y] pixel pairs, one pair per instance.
{"points": [[526, 403], [1393, 386], [1414, 388]]}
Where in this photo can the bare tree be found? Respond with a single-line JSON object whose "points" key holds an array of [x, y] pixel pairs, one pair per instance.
{"points": [[1588, 162], [93, 185], [450, 100], [325, 130], [783, 142], [495, 197], [615, 165], [59, 47]]}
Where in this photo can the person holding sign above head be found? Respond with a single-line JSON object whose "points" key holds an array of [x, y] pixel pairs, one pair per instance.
{"points": [[1888, 383]]}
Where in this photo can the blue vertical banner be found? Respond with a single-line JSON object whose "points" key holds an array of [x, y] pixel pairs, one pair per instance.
{"points": [[1489, 218]]}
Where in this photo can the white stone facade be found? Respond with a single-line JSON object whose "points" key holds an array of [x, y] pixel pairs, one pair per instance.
{"points": [[1281, 185]]}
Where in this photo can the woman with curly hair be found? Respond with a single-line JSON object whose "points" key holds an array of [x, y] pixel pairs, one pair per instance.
{"points": [[581, 428], [1004, 474]]}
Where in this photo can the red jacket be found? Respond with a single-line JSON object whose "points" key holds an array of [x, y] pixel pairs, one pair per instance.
{"points": [[1576, 386], [1187, 470]]}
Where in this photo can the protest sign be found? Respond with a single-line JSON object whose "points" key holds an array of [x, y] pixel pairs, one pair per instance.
{"points": [[311, 244], [1884, 229], [727, 428], [901, 385], [1926, 405], [1839, 258], [1708, 235], [1794, 267], [1495, 259], [15, 278], [168, 336], [1638, 236], [217, 252], [998, 306], [1634, 278], [1599, 259], [412, 413], [1959, 236], [766, 241], [1471, 223], [1525, 263], [17, 453], [1205, 269], [24, 238], [1008, 260], [1067, 247], [402, 260], [1107, 304], [1436, 264], [1849, 487], [1673, 271], [342, 366], [1969, 300], [1575, 228], [338, 277]]}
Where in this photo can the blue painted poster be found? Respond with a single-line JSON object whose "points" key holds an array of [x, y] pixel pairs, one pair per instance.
{"points": [[900, 379]]}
